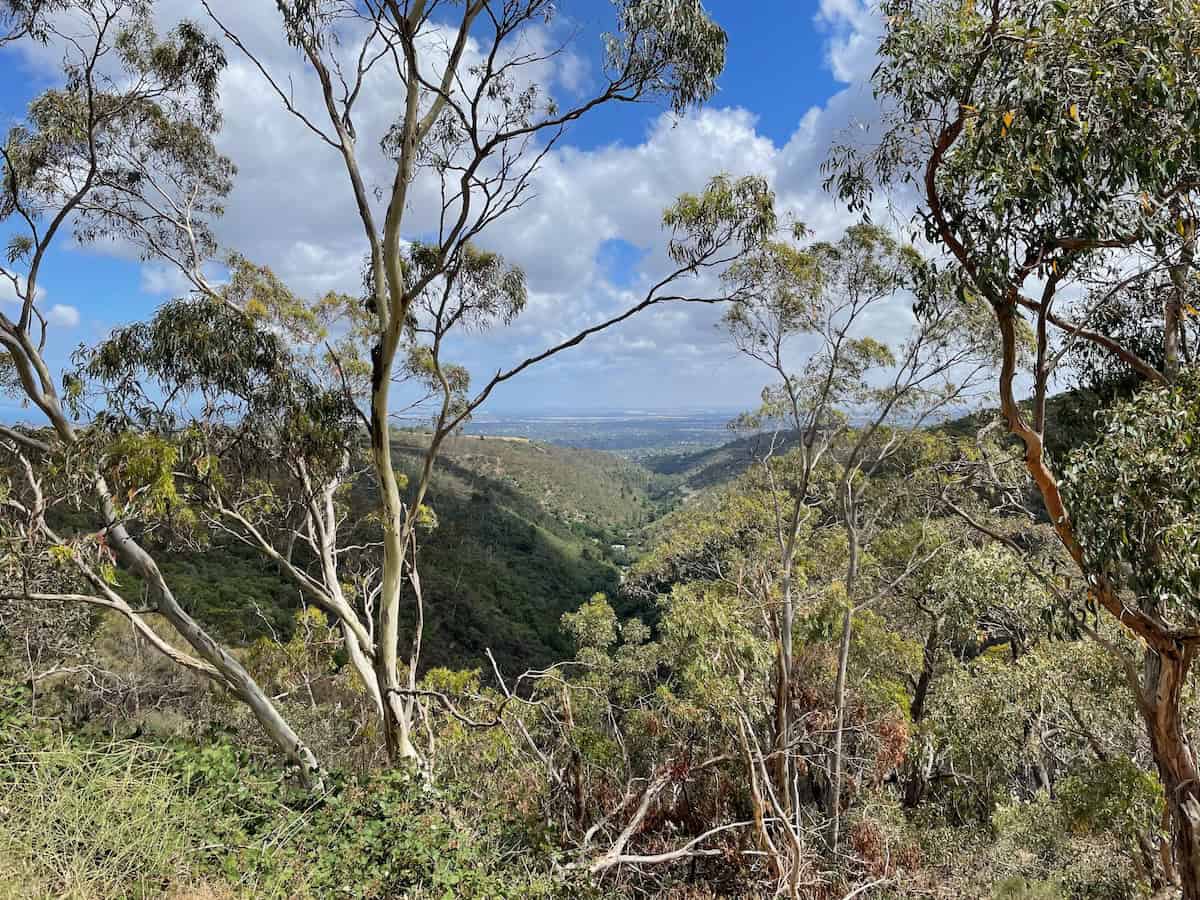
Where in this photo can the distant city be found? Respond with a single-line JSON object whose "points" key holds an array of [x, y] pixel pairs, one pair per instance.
{"points": [[627, 432]]}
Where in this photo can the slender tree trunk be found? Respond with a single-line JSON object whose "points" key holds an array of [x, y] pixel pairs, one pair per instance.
{"points": [[362, 666], [1173, 308], [916, 707], [783, 693], [136, 559], [396, 722], [1172, 316], [783, 690], [835, 793], [1163, 677], [784, 771], [235, 676], [39, 387], [1150, 863], [917, 782]]}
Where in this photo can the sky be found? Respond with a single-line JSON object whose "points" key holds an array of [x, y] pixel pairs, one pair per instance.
{"points": [[590, 241]]}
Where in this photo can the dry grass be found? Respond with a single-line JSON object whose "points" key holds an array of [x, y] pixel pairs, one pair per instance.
{"points": [[94, 824]]}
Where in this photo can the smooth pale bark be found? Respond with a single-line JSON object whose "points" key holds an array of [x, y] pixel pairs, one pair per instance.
{"points": [[835, 791], [393, 301], [138, 561], [362, 666], [39, 386], [396, 724], [783, 764]]}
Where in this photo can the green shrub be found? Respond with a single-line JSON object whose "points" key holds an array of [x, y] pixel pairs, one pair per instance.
{"points": [[131, 819]]}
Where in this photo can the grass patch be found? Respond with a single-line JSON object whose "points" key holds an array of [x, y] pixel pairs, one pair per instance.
{"points": [[78, 822]]}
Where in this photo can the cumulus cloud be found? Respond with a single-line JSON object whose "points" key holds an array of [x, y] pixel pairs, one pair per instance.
{"points": [[60, 314], [63, 315], [291, 209], [854, 29], [8, 292]]}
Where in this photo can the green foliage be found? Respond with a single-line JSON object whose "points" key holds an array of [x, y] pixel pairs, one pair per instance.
{"points": [[131, 819], [721, 528], [1135, 495], [240, 369], [715, 652], [1035, 842], [392, 835], [593, 626], [1133, 317], [523, 534], [1065, 120], [143, 468], [738, 212], [671, 48], [1018, 888], [228, 588], [487, 289], [1114, 795], [145, 123], [986, 584]]}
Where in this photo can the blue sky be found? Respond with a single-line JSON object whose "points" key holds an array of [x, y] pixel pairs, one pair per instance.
{"points": [[795, 78], [775, 66]]}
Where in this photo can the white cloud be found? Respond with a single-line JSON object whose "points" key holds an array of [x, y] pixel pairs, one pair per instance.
{"points": [[60, 314], [292, 209], [63, 315], [8, 293], [854, 30], [164, 281]]}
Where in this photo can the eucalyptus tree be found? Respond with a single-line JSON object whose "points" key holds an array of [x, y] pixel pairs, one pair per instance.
{"points": [[1049, 145], [472, 121], [263, 435], [1132, 315], [23, 18], [968, 602], [1136, 495], [827, 294], [121, 151]]}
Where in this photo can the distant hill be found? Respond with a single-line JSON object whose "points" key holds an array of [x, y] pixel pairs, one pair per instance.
{"points": [[687, 473], [601, 494], [1071, 416], [525, 533]]}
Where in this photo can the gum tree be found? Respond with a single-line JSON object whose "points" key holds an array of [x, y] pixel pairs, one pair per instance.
{"points": [[121, 150], [471, 118], [124, 153], [1136, 497], [258, 393], [24, 18], [1052, 145], [841, 404]]}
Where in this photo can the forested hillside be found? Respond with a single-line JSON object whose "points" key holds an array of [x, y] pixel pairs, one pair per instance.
{"points": [[275, 624], [525, 533]]}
